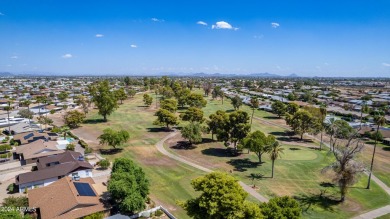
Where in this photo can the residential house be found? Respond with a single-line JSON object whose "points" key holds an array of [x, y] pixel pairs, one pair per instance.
{"points": [[29, 153], [51, 169], [66, 199], [28, 137]]}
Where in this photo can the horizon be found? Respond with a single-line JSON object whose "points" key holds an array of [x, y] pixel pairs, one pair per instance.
{"points": [[332, 38]]}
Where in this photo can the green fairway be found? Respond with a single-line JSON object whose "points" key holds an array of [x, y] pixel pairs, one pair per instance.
{"points": [[297, 173], [169, 180]]}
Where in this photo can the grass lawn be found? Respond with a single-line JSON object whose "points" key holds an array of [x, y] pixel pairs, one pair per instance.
{"points": [[297, 173], [386, 216], [169, 180]]}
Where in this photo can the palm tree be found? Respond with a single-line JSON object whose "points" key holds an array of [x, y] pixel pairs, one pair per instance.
{"points": [[330, 129], [379, 120], [323, 115], [364, 107], [8, 108], [65, 129], [275, 152], [254, 105], [27, 103]]}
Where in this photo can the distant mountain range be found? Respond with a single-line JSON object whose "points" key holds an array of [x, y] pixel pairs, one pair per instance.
{"points": [[201, 74]]}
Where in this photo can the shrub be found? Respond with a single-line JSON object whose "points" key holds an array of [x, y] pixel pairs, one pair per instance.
{"points": [[12, 142], [6, 155], [70, 147], [13, 201], [11, 187], [377, 136], [104, 164], [5, 147], [97, 215], [158, 213], [56, 130], [88, 150], [83, 144]]}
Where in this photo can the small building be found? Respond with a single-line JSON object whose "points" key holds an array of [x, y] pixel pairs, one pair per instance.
{"points": [[53, 168], [66, 198], [29, 153]]}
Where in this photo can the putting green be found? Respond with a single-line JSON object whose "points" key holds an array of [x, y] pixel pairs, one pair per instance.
{"points": [[298, 153]]}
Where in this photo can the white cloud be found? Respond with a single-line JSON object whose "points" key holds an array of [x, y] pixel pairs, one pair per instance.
{"points": [[258, 36], [14, 57], [133, 46], [202, 23], [386, 64], [223, 25], [157, 20], [99, 35], [275, 25], [67, 56]]}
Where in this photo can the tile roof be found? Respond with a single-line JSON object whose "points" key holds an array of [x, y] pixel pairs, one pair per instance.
{"points": [[59, 170], [61, 200]]}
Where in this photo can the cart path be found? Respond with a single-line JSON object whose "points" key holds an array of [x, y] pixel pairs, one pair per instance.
{"points": [[160, 147]]}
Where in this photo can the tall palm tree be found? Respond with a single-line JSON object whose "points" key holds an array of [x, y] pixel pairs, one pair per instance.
{"points": [[364, 107], [275, 152], [330, 129], [254, 105], [8, 108], [323, 115], [27, 103], [379, 120]]}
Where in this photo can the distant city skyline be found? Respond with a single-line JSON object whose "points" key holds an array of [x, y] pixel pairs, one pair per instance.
{"points": [[308, 38]]}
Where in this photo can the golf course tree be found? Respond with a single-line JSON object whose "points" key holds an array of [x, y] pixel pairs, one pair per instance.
{"points": [[166, 118], [128, 186], [166, 92], [182, 97], [275, 151], [338, 129], [207, 86], [83, 101], [236, 102], [303, 122], [148, 100], [192, 132], [281, 207], [193, 114], [169, 104], [346, 168], [235, 128], [73, 118], [279, 108], [220, 197], [217, 92], [196, 100], [379, 121], [113, 138], [292, 108], [216, 122], [120, 94], [104, 99], [254, 103], [322, 122], [258, 143], [131, 93]]}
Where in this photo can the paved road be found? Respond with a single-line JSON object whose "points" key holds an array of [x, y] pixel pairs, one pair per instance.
{"points": [[375, 213], [160, 147]]}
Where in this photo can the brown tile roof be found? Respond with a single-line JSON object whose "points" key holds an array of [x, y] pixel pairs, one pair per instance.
{"points": [[67, 156], [39, 148], [59, 170], [26, 137], [62, 200]]}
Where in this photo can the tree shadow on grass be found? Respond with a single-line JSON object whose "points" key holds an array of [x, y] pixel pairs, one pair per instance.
{"points": [[386, 148], [183, 145], [323, 200], [207, 140], [219, 152], [257, 176], [278, 133], [271, 117], [94, 121], [160, 129], [243, 165], [110, 151]]}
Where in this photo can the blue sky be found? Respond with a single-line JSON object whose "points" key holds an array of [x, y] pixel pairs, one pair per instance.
{"points": [[309, 38]]}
